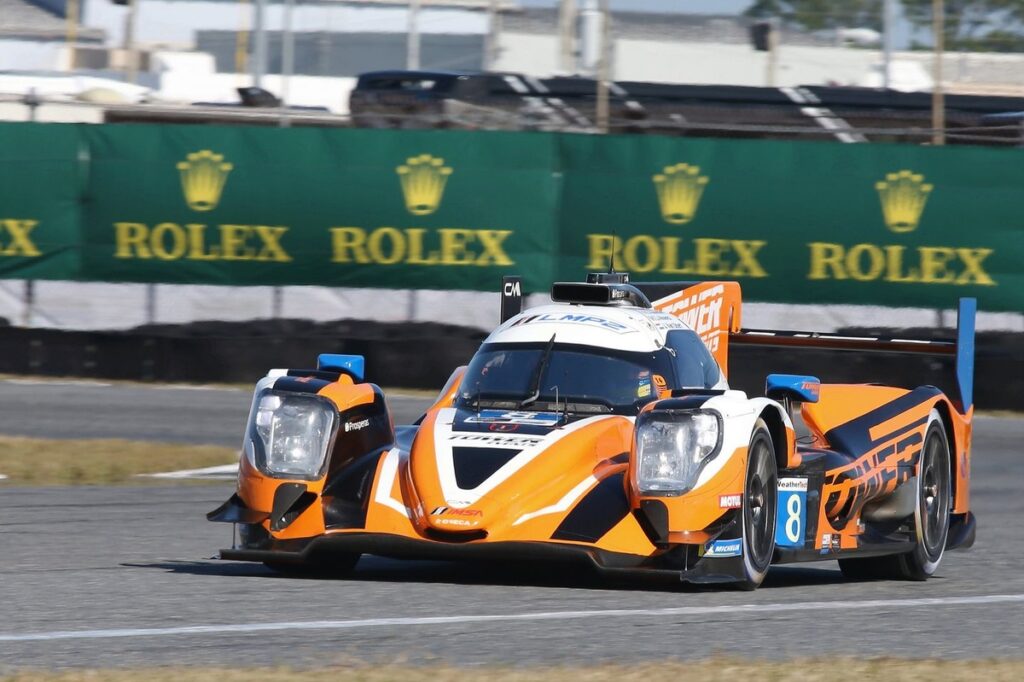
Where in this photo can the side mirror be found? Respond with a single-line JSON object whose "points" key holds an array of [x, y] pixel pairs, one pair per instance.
{"points": [[353, 365], [795, 387]]}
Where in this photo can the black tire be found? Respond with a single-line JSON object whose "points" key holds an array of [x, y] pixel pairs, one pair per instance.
{"points": [[931, 516], [760, 498], [334, 566]]}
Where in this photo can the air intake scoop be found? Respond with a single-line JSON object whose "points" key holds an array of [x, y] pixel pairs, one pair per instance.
{"points": [[599, 294]]}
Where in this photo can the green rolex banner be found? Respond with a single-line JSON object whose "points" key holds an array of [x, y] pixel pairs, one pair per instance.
{"points": [[805, 222], [315, 206], [42, 169]]}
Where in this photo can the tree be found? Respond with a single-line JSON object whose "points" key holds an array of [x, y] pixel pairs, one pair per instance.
{"points": [[976, 25]]}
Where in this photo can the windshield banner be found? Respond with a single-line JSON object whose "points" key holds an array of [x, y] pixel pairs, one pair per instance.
{"points": [[804, 222]]}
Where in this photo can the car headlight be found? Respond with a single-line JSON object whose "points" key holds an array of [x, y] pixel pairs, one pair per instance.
{"points": [[672, 448], [289, 434]]}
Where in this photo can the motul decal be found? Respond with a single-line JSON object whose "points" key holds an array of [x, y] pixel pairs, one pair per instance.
{"points": [[734, 501]]}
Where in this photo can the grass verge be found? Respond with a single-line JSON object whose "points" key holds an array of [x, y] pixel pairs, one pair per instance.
{"points": [[42, 461], [811, 670], [242, 386]]}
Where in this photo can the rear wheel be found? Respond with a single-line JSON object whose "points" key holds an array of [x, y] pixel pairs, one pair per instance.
{"points": [[759, 500], [931, 516]]}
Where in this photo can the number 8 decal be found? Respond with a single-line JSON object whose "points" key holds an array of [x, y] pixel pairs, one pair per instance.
{"points": [[791, 521], [794, 526]]}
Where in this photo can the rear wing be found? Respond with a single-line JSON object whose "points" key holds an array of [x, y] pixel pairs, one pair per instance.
{"points": [[961, 347]]}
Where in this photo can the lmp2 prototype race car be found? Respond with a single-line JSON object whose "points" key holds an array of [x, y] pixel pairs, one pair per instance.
{"points": [[602, 429]]}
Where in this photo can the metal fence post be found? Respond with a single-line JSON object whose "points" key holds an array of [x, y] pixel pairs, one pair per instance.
{"points": [[28, 310]]}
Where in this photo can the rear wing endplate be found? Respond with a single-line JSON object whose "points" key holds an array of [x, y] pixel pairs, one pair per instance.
{"points": [[962, 347]]}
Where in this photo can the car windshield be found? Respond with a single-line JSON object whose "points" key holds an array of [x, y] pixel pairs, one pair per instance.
{"points": [[577, 378]]}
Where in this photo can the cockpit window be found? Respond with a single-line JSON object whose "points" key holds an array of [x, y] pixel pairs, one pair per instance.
{"points": [[577, 378], [694, 364]]}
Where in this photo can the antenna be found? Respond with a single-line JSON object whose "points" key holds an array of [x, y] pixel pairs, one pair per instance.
{"points": [[610, 277]]}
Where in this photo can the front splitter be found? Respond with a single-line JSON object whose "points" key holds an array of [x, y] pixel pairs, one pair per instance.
{"points": [[319, 550]]}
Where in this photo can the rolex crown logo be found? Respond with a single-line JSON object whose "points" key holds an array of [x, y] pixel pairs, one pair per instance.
{"points": [[903, 195], [423, 179], [203, 175], [679, 190]]}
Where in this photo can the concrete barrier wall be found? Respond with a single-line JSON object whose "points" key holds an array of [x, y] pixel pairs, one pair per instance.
{"points": [[422, 355]]}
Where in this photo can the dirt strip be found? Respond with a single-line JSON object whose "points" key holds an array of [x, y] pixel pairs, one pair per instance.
{"points": [[43, 461], [725, 670]]}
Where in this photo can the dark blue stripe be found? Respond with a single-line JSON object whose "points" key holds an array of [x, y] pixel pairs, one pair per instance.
{"points": [[854, 436]]}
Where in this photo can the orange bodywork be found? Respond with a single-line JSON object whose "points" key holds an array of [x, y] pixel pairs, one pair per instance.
{"points": [[529, 505], [258, 490], [689, 514], [895, 444], [553, 478], [408, 497]]}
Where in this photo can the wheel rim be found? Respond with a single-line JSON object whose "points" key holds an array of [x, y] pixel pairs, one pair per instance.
{"points": [[759, 511], [934, 496]]}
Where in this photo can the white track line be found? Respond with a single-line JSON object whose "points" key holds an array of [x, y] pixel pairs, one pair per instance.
{"points": [[760, 609], [223, 471]]}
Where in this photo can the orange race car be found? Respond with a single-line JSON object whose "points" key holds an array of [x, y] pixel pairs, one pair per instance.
{"points": [[602, 429]]}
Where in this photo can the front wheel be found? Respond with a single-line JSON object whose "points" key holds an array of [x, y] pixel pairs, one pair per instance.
{"points": [[760, 497]]}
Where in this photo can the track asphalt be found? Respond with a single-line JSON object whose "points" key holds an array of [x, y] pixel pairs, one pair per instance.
{"points": [[96, 577]]}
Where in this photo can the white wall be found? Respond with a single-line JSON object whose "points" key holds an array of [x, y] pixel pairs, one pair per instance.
{"points": [[174, 23], [90, 305], [738, 64], [52, 113], [668, 62], [333, 93], [533, 55], [29, 55], [728, 64]]}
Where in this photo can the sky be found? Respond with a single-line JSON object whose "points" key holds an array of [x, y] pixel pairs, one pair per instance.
{"points": [[687, 6]]}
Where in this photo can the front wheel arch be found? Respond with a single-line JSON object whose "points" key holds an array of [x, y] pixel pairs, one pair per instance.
{"points": [[776, 424]]}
